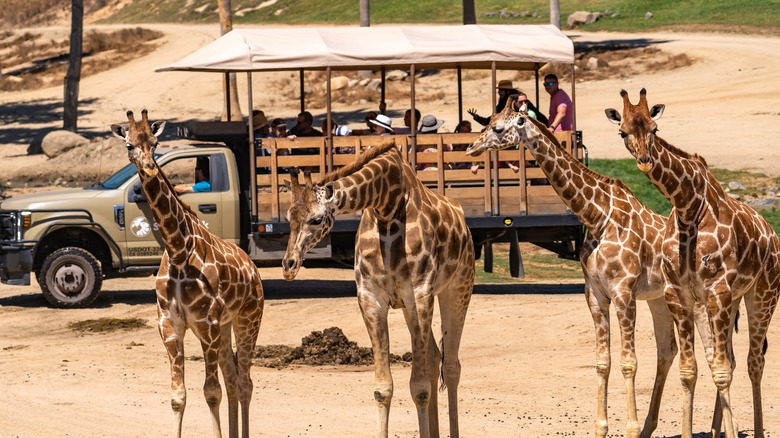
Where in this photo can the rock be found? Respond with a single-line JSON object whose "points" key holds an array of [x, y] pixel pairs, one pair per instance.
{"points": [[772, 203], [59, 142], [648, 15], [582, 17], [595, 63], [339, 83], [396, 75], [735, 185]]}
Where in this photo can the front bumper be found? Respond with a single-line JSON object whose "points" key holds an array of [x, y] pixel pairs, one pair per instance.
{"points": [[15, 265]]}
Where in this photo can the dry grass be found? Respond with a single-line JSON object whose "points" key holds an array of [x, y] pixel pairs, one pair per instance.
{"points": [[30, 62]]}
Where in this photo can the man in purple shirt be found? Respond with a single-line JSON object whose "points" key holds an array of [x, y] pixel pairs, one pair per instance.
{"points": [[560, 105]]}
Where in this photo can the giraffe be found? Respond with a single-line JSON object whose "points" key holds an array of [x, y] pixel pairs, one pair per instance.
{"points": [[204, 283], [620, 257], [412, 245], [716, 251]]}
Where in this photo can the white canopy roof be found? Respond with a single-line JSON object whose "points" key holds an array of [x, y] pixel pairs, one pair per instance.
{"points": [[348, 48]]}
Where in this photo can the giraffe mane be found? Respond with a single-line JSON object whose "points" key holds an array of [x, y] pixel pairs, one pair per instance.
{"points": [[600, 177], [358, 164], [681, 153]]}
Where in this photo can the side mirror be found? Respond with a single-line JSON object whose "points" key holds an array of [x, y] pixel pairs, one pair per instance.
{"points": [[137, 193]]}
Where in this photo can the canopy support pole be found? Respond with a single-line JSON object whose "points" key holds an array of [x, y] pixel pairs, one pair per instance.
{"points": [[300, 86], [413, 160], [252, 161]]}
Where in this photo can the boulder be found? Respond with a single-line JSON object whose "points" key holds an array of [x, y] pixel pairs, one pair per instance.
{"points": [[339, 83], [396, 75], [582, 17], [58, 142], [595, 63]]}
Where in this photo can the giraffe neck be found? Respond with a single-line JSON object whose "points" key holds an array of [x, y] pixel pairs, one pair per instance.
{"points": [[682, 178], [176, 222], [586, 193], [378, 185]]}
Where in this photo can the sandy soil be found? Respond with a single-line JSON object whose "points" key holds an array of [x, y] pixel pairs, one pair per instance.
{"points": [[527, 352]]}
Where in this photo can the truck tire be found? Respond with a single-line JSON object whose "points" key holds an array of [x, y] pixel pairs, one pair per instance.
{"points": [[70, 278]]}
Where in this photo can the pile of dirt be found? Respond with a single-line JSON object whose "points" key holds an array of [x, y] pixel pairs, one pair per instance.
{"points": [[327, 347]]}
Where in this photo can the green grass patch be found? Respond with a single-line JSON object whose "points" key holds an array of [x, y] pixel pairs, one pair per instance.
{"points": [[538, 267], [618, 15], [107, 324], [644, 190]]}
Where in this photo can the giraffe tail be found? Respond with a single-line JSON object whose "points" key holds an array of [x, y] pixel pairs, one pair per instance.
{"points": [[736, 329]]}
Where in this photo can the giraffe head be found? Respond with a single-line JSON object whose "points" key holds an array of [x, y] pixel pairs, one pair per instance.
{"points": [[638, 127], [141, 140], [507, 129], [311, 216]]}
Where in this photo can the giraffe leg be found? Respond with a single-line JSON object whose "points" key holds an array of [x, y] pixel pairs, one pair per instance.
{"points": [[599, 310], [173, 338], [374, 315], [625, 309], [227, 362], [209, 333], [705, 331], [246, 329], [453, 316], [666, 350], [720, 311], [759, 316], [418, 317], [433, 361], [683, 318]]}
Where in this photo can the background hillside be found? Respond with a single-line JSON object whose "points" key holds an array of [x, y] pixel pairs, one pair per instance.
{"points": [[741, 16]]}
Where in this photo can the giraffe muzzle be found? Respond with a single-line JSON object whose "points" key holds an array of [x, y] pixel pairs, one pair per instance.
{"points": [[290, 268]]}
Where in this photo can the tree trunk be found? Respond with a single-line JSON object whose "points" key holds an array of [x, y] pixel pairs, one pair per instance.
{"points": [[73, 76], [469, 13], [555, 13], [225, 26], [365, 13]]}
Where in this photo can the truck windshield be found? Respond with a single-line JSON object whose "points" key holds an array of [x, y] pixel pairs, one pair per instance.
{"points": [[117, 179]]}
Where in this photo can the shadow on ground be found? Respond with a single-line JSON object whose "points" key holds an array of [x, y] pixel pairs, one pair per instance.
{"points": [[283, 290]]}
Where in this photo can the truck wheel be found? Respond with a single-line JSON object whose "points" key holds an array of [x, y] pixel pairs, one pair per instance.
{"points": [[70, 277]]}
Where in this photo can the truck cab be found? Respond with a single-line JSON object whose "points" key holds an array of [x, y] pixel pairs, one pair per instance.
{"points": [[73, 239]]}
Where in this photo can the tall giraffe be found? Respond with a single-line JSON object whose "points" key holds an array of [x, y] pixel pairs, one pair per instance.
{"points": [[412, 245], [204, 283], [716, 251], [621, 256]]}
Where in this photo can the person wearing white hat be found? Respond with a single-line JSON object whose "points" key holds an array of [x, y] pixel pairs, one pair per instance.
{"points": [[382, 125], [429, 124]]}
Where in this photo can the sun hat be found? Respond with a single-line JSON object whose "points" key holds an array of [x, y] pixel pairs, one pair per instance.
{"points": [[383, 121], [430, 123], [258, 119], [505, 84], [343, 131]]}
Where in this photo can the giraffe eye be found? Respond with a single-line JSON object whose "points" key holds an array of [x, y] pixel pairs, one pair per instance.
{"points": [[498, 129], [622, 134], [129, 146], [316, 221]]}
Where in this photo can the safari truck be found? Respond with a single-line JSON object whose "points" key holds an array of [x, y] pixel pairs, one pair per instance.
{"points": [[74, 239]]}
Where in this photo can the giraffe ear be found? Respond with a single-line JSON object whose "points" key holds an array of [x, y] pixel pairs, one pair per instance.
{"points": [[612, 115], [328, 189], [657, 111], [119, 131], [157, 128]]}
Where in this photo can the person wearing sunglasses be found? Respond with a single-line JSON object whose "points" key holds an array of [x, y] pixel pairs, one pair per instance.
{"points": [[560, 105]]}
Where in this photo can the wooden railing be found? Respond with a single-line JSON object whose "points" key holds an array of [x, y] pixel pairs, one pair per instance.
{"points": [[522, 192]]}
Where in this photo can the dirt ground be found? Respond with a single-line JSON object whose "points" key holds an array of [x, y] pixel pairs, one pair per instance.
{"points": [[528, 350]]}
